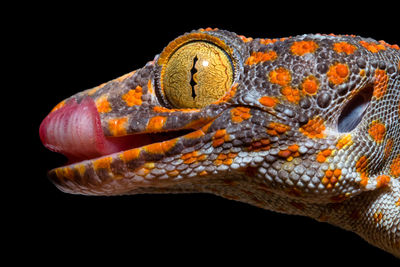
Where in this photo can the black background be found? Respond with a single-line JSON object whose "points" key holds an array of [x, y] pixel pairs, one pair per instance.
{"points": [[66, 49]]}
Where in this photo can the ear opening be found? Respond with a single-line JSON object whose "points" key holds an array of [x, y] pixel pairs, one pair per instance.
{"points": [[355, 110]]}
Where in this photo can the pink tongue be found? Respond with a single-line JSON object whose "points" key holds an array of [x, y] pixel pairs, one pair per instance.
{"points": [[75, 131]]}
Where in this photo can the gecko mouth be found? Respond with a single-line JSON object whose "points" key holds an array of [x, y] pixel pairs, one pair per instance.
{"points": [[75, 131]]}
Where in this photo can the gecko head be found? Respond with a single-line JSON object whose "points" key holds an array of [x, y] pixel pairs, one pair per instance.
{"points": [[221, 113], [130, 134]]}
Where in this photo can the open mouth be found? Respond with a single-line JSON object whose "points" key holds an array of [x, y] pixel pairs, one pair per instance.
{"points": [[75, 131]]}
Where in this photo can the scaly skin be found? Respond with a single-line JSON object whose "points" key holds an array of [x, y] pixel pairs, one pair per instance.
{"points": [[272, 140]]}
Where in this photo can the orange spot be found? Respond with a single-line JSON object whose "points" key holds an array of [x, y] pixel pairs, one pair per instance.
{"points": [[378, 216], [337, 173], [232, 155], [102, 163], [117, 126], [218, 142], [389, 45], [206, 127], [261, 145], [225, 159], [323, 155], [220, 133], [202, 157], [344, 47], [245, 39], [133, 97], [173, 173], [190, 161], [344, 141], [81, 169], [314, 128], [131, 154], [240, 114], [276, 128], [161, 147], [338, 73], [382, 180], [372, 47], [398, 202], [380, 83], [203, 173], [362, 169], [377, 131], [156, 123], [257, 57], [331, 178], [65, 173], [58, 106], [150, 88], [102, 104], [268, 41], [395, 167], [268, 101], [220, 137], [284, 153], [361, 164], [191, 157], [194, 135], [291, 94], [303, 47], [290, 152], [149, 165], [280, 76], [143, 171], [310, 85], [293, 148], [208, 29]]}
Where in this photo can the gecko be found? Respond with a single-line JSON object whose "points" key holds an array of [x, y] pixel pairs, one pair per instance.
{"points": [[305, 125]]}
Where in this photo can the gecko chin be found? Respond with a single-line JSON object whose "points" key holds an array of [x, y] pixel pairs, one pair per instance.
{"points": [[75, 131]]}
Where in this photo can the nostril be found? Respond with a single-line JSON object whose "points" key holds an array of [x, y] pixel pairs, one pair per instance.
{"points": [[354, 110]]}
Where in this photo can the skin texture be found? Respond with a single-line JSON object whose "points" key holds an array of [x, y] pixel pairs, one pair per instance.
{"points": [[273, 138]]}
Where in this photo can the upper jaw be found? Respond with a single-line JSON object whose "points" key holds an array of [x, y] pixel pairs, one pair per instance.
{"points": [[100, 164]]}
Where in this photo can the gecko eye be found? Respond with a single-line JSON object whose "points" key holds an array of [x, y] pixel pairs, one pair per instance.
{"points": [[355, 110], [196, 74]]}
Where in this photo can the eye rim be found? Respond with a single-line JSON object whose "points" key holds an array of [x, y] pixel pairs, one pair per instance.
{"points": [[192, 37], [181, 41]]}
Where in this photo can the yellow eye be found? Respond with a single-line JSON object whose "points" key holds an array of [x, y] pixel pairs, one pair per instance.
{"points": [[196, 75]]}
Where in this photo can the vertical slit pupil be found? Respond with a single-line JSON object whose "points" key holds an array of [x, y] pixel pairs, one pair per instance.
{"points": [[192, 72]]}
